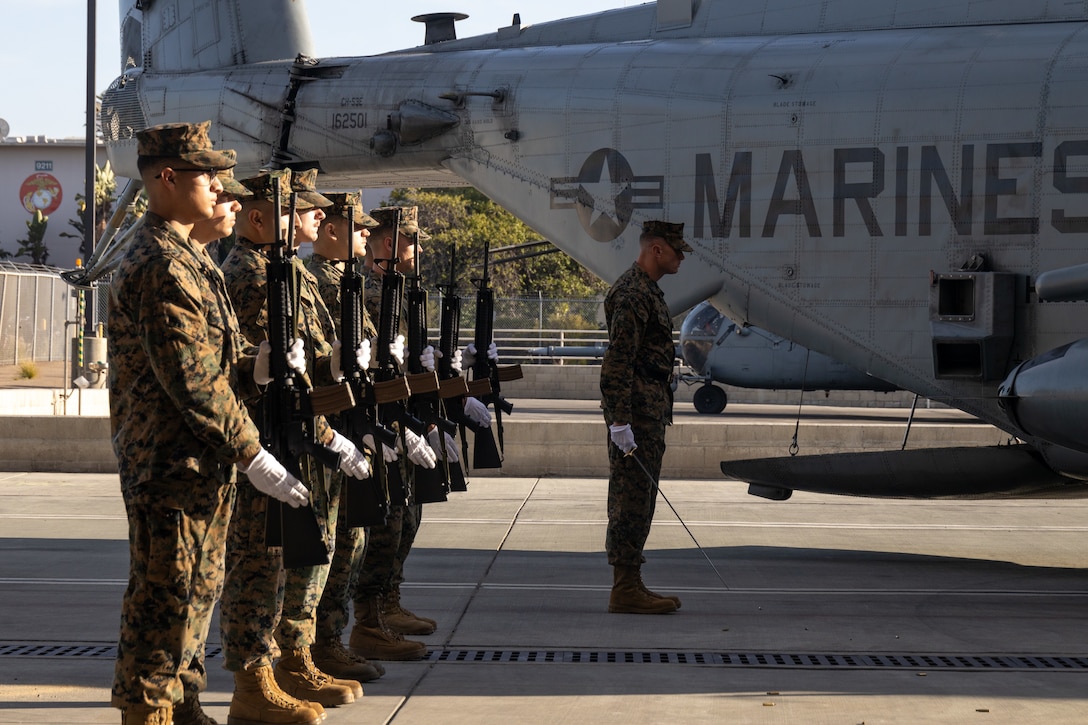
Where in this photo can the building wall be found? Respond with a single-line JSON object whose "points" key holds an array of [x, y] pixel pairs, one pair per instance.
{"points": [[47, 166]]}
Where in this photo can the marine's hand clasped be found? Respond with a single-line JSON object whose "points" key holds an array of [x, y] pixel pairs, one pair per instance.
{"points": [[622, 437], [468, 357], [477, 412], [270, 477], [419, 452], [296, 360], [352, 460], [443, 442], [362, 358]]}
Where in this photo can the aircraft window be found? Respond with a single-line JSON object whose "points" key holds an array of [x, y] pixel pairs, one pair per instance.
{"points": [[704, 321], [132, 54]]}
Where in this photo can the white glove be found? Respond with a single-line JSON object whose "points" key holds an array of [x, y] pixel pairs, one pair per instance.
{"points": [[388, 454], [362, 358], [426, 358], [296, 357], [352, 460], [419, 452], [396, 349], [477, 412], [455, 363], [269, 476], [362, 355], [261, 375], [623, 437], [296, 360], [434, 438], [468, 358]]}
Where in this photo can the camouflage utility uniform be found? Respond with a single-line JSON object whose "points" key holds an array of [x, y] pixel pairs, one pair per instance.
{"points": [[389, 545], [178, 426], [635, 388], [332, 611], [264, 605]]}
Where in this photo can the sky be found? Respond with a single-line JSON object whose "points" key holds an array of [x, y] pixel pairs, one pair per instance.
{"points": [[43, 65]]}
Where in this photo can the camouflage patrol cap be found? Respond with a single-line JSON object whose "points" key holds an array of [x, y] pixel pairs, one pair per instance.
{"points": [[260, 189], [304, 182], [671, 233], [409, 219], [185, 141], [226, 177], [344, 200]]}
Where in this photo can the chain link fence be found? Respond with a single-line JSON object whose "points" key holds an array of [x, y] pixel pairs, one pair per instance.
{"points": [[39, 312]]}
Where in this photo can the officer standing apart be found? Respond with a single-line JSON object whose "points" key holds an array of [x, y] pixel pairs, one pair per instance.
{"points": [[178, 426], [636, 396]]}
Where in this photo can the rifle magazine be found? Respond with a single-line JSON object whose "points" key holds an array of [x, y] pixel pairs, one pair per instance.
{"points": [[421, 383], [479, 387], [452, 388], [331, 399], [508, 373], [390, 391]]}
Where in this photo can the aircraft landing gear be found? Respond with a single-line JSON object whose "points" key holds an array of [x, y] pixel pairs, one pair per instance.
{"points": [[710, 399]]}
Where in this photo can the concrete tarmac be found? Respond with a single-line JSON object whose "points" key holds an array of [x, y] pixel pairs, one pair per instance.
{"points": [[819, 609]]}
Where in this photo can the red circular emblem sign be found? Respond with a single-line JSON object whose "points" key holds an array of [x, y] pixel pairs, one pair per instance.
{"points": [[40, 191]]}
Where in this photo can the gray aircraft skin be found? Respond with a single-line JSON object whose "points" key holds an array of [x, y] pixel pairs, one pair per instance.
{"points": [[901, 185], [750, 357]]}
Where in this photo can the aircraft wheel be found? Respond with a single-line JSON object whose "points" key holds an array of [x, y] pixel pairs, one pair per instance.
{"points": [[710, 399]]}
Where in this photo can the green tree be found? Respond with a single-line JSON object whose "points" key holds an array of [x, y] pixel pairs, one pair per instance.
{"points": [[464, 219], [34, 244], [105, 189]]}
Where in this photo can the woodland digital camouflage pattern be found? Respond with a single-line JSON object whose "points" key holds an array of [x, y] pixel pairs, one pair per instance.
{"points": [[185, 141], [328, 273], [265, 608], [178, 426], [635, 388], [388, 545], [343, 201], [351, 543], [672, 233], [409, 219]]}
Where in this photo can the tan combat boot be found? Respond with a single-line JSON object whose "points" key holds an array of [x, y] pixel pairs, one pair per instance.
{"points": [[629, 595], [652, 593], [296, 674], [189, 711], [258, 700], [335, 659], [372, 638], [140, 714], [399, 619]]}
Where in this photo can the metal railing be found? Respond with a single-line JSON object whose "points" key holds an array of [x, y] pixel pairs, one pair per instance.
{"points": [[36, 307]]}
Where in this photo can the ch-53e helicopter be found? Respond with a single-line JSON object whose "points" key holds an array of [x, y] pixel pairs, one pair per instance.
{"points": [[901, 185]]}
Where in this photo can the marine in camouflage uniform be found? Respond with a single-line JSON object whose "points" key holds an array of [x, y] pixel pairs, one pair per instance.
{"points": [[636, 396], [178, 424], [329, 653], [266, 609], [380, 621]]}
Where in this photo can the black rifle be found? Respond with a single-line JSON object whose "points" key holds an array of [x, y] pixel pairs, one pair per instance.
{"points": [[288, 430], [366, 503], [432, 484], [452, 386], [391, 407], [484, 368]]}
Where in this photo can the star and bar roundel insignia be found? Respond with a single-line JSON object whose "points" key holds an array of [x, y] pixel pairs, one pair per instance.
{"points": [[605, 193]]}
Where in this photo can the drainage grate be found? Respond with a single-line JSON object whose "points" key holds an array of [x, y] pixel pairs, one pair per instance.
{"points": [[755, 660], [760, 660]]}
